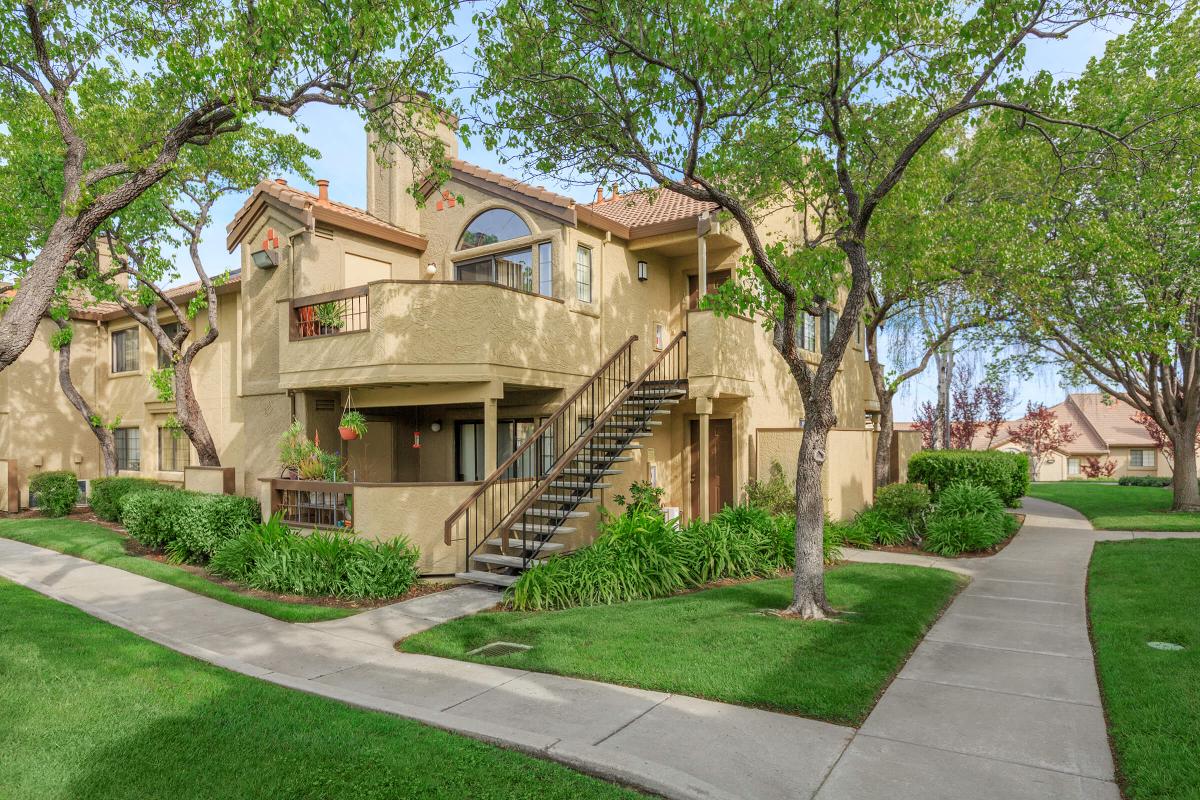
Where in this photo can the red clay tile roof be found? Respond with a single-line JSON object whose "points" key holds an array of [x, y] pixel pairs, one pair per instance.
{"points": [[540, 193], [650, 207], [311, 209]]}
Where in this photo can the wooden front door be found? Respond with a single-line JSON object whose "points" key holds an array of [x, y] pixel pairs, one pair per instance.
{"points": [[720, 465], [715, 279]]}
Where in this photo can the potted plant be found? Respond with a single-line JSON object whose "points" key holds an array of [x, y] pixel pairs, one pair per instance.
{"points": [[330, 317], [353, 425]]}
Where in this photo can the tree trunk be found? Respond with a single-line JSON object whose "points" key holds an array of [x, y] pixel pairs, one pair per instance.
{"points": [[108, 447], [19, 322], [945, 369], [1186, 492], [883, 443], [808, 588], [190, 417]]}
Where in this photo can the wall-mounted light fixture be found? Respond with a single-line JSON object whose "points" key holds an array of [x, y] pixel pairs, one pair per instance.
{"points": [[431, 269], [436, 425], [643, 271], [265, 259]]}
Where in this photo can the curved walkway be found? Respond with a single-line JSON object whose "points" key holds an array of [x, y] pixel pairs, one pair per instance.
{"points": [[999, 701]]}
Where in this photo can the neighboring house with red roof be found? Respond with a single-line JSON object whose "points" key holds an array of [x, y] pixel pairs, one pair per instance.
{"points": [[1104, 430], [500, 339]]}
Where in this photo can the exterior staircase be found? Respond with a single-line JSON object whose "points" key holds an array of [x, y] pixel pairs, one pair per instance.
{"points": [[518, 516]]}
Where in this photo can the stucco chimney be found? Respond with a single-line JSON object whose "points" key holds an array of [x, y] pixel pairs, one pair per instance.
{"points": [[391, 172], [599, 194], [323, 191], [281, 181], [615, 194]]}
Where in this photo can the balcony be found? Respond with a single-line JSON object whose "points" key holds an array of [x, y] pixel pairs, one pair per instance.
{"points": [[399, 331], [722, 354]]}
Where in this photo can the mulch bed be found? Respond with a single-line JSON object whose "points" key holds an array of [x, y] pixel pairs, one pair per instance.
{"points": [[135, 548]]}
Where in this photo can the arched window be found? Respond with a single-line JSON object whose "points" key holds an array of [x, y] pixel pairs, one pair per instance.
{"points": [[529, 268], [493, 225]]}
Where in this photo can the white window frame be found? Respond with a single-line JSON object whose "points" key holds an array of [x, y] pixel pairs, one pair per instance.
{"points": [[1141, 458], [583, 274], [1074, 466]]}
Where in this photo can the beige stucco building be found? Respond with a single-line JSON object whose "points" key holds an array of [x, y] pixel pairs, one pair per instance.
{"points": [[459, 327]]}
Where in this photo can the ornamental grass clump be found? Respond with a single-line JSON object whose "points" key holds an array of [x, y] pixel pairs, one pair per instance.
{"points": [[273, 558], [968, 518]]}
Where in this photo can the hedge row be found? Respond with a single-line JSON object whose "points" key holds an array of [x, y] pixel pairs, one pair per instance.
{"points": [[1007, 474], [1145, 480], [106, 494], [189, 526]]}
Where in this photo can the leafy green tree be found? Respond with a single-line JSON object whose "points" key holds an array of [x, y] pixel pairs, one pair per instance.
{"points": [[177, 212], [750, 104], [1111, 284], [101, 100]]}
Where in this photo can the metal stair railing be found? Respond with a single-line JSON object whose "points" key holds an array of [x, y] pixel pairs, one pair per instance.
{"points": [[480, 516]]}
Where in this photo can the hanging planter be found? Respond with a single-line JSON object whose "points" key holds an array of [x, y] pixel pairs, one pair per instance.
{"points": [[353, 424]]}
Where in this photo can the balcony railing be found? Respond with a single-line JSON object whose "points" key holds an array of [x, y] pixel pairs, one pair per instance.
{"points": [[331, 313], [315, 504]]}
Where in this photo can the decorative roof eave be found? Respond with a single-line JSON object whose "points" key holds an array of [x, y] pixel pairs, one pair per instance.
{"points": [[534, 198], [180, 294], [308, 211]]}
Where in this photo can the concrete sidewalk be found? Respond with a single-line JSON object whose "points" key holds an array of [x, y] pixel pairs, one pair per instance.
{"points": [[999, 701]]}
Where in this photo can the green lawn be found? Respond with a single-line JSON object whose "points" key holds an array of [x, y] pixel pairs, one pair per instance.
{"points": [[1138, 592], [1119, 508], [715, 644], [93, 711], [99, 544]]}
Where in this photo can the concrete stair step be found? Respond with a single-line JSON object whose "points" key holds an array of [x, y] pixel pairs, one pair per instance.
{"points": [[565, 498], [574, 471], [608, 448], [533, 527], [557, 513], [519, 544], [636, 424], [501, 560], [641, 435], [578, 486], [602, 459], [493, 578], [641, 412]]}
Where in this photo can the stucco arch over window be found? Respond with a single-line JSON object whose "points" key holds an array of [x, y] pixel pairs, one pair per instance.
{"points": [[526, 264], [492, 226]]}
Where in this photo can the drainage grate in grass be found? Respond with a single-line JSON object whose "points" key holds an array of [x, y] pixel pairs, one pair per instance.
{"points": [[499, 649], [1165, 645]]}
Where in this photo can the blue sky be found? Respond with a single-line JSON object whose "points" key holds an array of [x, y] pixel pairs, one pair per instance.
{"points": [[338, 135]]}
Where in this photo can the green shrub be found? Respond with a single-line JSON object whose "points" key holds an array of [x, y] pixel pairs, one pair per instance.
{"points": [[56, 492], [1006, 473], [903, 502], [850, 534], [875, 526], [968, 517], [271, 557], [189, 526], [639, 555], [952, 536], [643, 495], [106, 494], [774, 495], [1145, 480]]}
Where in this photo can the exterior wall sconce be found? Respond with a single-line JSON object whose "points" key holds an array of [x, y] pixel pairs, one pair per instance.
{"points": [[643, 271], [265, 259], [431, 269], [436, 425]]}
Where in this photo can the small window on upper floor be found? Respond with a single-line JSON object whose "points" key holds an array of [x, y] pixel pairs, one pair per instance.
{"points": [[493, 225], [125, 350], [583, 273]]}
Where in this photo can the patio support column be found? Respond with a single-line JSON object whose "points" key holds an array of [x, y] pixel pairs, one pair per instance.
{"points": [[704, 409], [490, 408]]}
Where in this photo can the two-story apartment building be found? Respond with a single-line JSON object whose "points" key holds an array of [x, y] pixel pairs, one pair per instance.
{"points": [[495, 325]]}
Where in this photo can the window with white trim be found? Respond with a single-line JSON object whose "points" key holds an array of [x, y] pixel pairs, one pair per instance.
{"points": [[1072, 466], [1141, 458], [583, 273]]}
